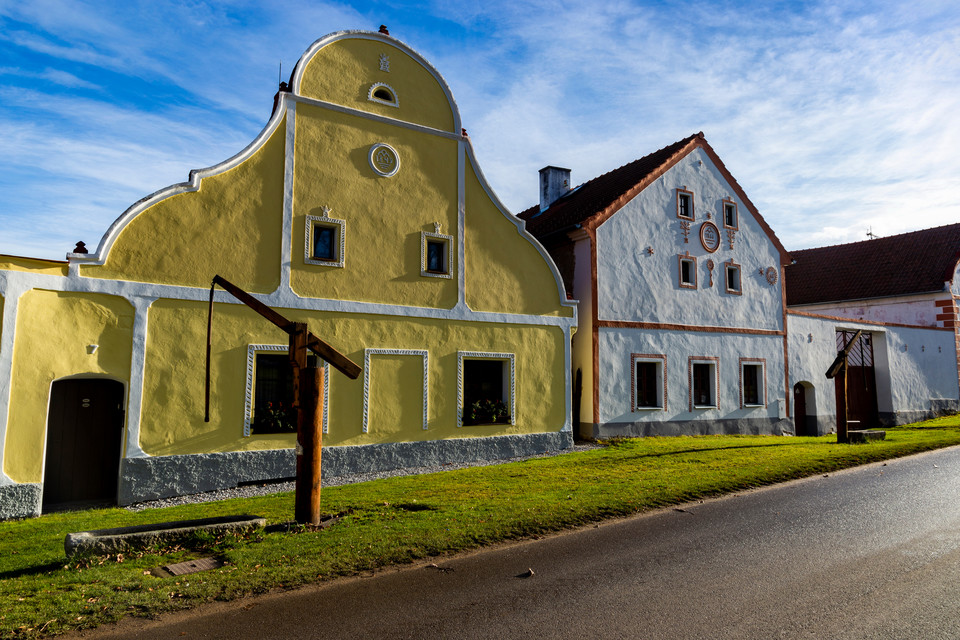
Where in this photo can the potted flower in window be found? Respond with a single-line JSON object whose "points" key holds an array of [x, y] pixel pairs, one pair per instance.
{"points": [[486, 412]]}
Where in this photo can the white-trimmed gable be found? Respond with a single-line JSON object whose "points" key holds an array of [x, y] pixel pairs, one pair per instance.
{"points": [[640, 249]]}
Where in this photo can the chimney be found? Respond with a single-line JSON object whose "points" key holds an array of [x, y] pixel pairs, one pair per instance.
{"points": [[554, 184]]}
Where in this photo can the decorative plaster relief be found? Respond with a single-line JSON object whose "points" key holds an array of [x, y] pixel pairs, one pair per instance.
{"points": [[384, 63], [709, 236], [771, 275], [685, 230], [384, 160], [461, 355], [392, 352], [252, 351]]}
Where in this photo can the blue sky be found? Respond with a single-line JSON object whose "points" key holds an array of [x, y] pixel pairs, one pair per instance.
{"points": [[835, 117]]}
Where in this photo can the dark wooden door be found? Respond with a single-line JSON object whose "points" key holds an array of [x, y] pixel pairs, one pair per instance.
{"points": [[84, 438], [861, 384], [800, 409]]}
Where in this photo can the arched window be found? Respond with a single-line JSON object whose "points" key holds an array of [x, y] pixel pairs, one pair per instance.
{"points": [[384, 94]]}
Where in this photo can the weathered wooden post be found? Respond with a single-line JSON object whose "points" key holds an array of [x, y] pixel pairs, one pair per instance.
{"points": [[307, 396], [840, 366]]}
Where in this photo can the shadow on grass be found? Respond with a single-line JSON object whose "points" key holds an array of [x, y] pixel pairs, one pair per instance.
{"points": [[32, 571]]}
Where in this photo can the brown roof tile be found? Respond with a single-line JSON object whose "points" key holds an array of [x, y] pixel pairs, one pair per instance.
{"points": [[905, 264], [596, 200], [596, 195]]}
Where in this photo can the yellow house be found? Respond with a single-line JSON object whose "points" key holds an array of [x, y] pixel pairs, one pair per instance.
{"points": [[360, 210]]}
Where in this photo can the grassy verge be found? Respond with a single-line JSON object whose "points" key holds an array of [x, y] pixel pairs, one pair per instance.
{"points": [[399, 520]]}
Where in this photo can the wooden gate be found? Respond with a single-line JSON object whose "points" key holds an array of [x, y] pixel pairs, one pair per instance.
{"points": [[84, 439], [861, 397]]}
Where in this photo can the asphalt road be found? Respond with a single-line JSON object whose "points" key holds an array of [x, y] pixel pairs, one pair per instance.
{"points": [[872, 552]]}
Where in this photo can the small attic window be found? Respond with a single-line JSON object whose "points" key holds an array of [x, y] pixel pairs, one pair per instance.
{"points": [[384, 94]]}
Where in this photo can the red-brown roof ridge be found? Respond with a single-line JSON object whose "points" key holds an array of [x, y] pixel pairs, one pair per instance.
{"points": [[591, 203]]}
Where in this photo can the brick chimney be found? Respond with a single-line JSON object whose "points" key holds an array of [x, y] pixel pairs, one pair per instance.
{"points": [[554, 183]]}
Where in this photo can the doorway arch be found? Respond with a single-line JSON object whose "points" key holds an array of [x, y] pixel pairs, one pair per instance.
{"points": [[84, 441]]}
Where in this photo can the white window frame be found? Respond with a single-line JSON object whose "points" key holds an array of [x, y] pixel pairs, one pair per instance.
{"points": [[730, 205], [693, 271], [729, 266], [383, 85], [761, 382], [481, 355], [714, 378], [661, 361], [252, 351], [325, 221], [688, 194], [425, 238]]}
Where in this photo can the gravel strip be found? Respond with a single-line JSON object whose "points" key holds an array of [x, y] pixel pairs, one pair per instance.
{"points": [[249, 491]]}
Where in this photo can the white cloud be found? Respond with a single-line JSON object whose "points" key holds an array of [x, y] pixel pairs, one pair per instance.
{"points": [[833, 116]]}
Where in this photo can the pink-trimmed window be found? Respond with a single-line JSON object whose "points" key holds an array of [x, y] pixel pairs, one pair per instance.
{"points": [[648, 381], [685, 204], [753, 382], [730, 217], [687, 271]]}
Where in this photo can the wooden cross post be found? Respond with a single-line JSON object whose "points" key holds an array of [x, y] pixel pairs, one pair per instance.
{"points": [[308, 385], [840, 366]]}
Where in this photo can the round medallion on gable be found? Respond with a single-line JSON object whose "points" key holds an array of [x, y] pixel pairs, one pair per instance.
{"points": [[771, 275], [384, 160], [709, 236]]}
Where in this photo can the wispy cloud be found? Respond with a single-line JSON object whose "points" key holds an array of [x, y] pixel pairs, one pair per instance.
{"points": [[833, 116]]}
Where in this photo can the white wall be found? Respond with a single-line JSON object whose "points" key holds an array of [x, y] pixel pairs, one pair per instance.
{"points": [[616, 398], [637, 286], [915, 310], [913, 366]]}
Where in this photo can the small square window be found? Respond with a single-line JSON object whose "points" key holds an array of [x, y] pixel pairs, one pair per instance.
{"points": [[324, 241], [436, 255], [649, 390], [687, 271], [685, 204], [752, 384], [732, 278], [703, 384], [730, 215]]}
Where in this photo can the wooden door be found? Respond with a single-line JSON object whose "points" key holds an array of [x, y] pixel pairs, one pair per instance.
{"points": [[800, 409], [84, 438]]}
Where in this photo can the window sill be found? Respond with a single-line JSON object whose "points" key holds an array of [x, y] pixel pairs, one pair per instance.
{"points": [[753, 406], [648, 408], [705, 406]]}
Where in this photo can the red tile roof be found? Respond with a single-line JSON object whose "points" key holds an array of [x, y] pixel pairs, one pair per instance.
{"points": [[905, 264], [596, 195], [596, 200]]}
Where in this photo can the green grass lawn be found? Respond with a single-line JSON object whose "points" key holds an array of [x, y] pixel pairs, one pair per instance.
{"points": [[399, 520]]}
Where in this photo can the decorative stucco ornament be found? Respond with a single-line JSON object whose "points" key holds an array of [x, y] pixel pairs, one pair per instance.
{"points": [[384, 62], [771, 275], [384, 160], [685, 230], [709, 236], [710, 266], [731, 234]]}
